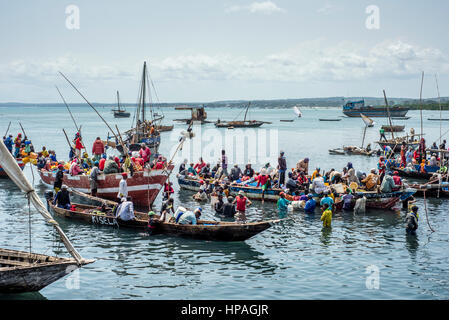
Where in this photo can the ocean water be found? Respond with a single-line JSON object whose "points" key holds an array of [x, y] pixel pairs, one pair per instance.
{"points": [[295, 259]]}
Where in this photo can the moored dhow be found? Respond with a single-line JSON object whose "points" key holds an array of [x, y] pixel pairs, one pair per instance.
{"points": [[356, 108]]}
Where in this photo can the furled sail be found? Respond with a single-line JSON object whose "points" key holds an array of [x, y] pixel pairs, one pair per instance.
{"points": [[367, 120], [297, 111], [11, 167]]}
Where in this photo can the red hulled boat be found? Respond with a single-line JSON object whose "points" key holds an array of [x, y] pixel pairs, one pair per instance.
{"points": [[3, 173], [143, 186]]}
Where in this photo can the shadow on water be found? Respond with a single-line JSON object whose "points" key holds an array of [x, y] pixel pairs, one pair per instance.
{"points": [[22, 296]]}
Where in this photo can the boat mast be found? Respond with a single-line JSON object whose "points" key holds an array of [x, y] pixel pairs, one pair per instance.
{"points": [[439, 102], [420, 100], [244, 119], [143, 89], [389, 117], [118, 101]]}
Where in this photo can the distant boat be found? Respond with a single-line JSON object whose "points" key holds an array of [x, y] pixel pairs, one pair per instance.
{"points": [[435, 119], [286, 120], [356, 108], [120, 113], [369, 122], [330, 119], [240, 124], [393, 128], [400, 118], [297, 111]]}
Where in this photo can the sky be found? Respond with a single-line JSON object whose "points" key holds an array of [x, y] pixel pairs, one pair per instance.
{"points": [[206, 50]]}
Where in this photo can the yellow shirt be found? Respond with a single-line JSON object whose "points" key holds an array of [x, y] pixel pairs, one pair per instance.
{"points": [[326, 217], [45, 153]]}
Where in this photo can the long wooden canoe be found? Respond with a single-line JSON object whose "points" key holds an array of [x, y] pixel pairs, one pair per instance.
{"points": [[204, 230], [27, 272]]}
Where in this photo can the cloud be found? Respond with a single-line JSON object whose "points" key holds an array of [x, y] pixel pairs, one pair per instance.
{"points": [[265, 7], [327, 8]]}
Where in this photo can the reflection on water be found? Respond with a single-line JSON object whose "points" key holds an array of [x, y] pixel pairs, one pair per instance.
{"points": [[295, 259]]}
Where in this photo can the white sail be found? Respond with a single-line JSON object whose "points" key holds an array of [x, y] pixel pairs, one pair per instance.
{"points": [[297, 111], [9, 164], [367, 120]]}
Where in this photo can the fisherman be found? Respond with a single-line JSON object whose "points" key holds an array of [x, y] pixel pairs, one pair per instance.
{"points": [[62, 198], [408, 156], [145, 153], [125, 210], [78, 145], [411, 221], [110, 166], [412, 134], [102, 162], [282, 167], [236, 173], [224, 163], [381, 167], [382, 134], [283, 203], [189, 217], [318, 185], [199, 165], [310, 204], [17, 145], [292, 184], [74, 168], [403, 154], [123, 187], [397, 181], [248, 172], [327, 200], [59, 178], [200, 196], [168, 190], [167, 206], [205, 171], [371, 181], [219, 205], [314, 173], [387, 184], [326, 217], [303, 166], [53, 156], [8, 143], [351, 177], [347, 199], [433, 160], [182, 167], [443, 145], [242, 202], [98, 148], [191, 170], [264, 181], [93, 178], [229, 208]]}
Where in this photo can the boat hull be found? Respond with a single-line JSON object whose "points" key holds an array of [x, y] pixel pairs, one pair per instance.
{"points": [[143, 186], [24, 272], [385, 201], [430, 170], [376, 112], [3, 173]]}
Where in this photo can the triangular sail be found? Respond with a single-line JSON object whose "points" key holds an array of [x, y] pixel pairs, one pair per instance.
{"points": [[367, 120], [12, 169], [297, 111]]}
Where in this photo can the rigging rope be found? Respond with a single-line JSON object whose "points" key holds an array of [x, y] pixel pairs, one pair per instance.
{"points": [[425, 208]]}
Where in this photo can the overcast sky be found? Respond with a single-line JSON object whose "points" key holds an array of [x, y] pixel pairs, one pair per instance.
{"points": [[204, 50]]}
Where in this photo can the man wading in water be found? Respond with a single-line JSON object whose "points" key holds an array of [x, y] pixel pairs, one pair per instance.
{"points": [[242, 202]]}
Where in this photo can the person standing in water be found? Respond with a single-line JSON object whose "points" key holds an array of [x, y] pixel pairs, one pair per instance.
{"points": [[411, 221], [326, 217], [242, 202]]}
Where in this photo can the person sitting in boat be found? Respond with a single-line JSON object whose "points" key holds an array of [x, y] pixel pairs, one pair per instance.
{"points": [[62, 198], [387, 184], [397, 181], [422, 166], [215, 170], [199, 165], [368, 147], [388, 151], [182, 167], [110, 166], [119, 165], [191, 171], [74, 168], [188, 217], [310, 204], [200, 196], [303, 166], [443, 145], [205, 171], [351, 177], [145, 153], [229, 208], [314, 173], [219, 205], [335, 177], [318, 185], [371, 181], [408, 156], [292, 184], [411, 221], [236, 173], [125, 210], [248, 173], [264, 181], [433, 160], [8, 142]]}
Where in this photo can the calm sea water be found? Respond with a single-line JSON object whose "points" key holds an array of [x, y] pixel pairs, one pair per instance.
{"points": [[293, 260]]}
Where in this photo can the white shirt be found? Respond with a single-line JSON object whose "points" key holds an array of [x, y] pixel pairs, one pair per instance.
{"points": [[318, 185], [187, 218], [126, 211], [122, 189]]}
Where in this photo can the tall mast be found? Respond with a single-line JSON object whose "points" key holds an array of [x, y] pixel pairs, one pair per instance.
{"points": [[246, 111], [143, 89], [118, 101], [389, 118], [420, 100]]}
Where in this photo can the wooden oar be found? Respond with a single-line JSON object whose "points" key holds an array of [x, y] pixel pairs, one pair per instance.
{"points": [[24, 134], [8, 128], [68, 109]]}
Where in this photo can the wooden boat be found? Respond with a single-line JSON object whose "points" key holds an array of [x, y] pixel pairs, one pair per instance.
{"points": [[356, 108], [400, 118], [198, 115], [143, 186], [162, 128], [251, 192], [120, 113], [395, 144], [241, 124], [430, 170], [321, 119], [204, 230], [393, 128], [25, 271], [3, 174], [432, 190], [436, 119], [337, 151], [376, 200], [286, 120], [353, 150]]}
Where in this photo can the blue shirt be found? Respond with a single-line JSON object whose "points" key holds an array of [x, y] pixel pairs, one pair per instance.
{"points": [[8, 143], [310, 206], [282, 204], [327, 200]]}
